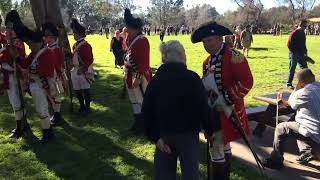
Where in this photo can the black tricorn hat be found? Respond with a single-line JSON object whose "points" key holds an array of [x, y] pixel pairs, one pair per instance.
{"points": [[131, 21], [14, 22], [209, 29], [12, 18], [49, 28], [77, 27], [33, 36]]}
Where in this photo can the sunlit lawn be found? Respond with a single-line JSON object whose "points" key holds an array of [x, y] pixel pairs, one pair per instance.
{"points": [[98, 147]]}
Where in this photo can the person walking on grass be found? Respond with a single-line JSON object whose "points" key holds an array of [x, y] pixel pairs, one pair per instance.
{"points": [[175, 109], [116, 46], [228, 72], [305, 99], [297, 51], [246, 40], [137, 68], [82, 71]]}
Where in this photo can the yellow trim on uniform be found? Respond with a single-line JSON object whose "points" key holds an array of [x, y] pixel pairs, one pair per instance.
{"points": [[237, 57]]}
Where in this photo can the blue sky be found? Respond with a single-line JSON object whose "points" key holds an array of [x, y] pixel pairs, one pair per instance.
{"points": [[220, 5]]}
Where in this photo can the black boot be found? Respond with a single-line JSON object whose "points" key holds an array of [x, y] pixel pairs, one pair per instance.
{"points": [[47, 135], [17, 132], [56, 118], [228, 158], [87, 100], [81, 101], [219, 171]]}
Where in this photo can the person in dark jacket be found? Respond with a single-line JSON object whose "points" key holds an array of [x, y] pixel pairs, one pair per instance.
{"points": [[297, 51], [116, 46], [175, 109]]}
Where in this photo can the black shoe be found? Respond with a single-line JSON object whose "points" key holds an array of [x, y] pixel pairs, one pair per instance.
{"points": [[16, 134], [290, 87], [82, 109], [47, 135], [305, 157], [272, 164], [56, 119]]}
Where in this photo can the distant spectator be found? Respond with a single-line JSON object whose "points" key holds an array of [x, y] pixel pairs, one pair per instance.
{"points": [[297, 51], [246, 40], [162, 33], [175, 108], [107, 32], [237, 41], [305, 99], [124, 35], [116, 46]]}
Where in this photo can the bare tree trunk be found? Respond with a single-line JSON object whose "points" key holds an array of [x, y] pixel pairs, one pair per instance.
{"points": [[49, 10], [293, 11]]}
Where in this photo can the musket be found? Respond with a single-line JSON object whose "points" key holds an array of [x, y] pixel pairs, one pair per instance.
{"points": [[233, 117], [218, 102]]}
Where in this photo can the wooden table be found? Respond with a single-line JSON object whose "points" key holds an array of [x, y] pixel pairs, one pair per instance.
{"points": [[266, 115]]}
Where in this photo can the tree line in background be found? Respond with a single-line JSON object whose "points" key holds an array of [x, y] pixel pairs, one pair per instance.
{"points": [[101, 13]]}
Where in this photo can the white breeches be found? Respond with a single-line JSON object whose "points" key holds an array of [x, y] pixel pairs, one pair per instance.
{"points": [[218, 149], [56, 103], [14, 98], [39, 98], [78, 81], [136, 95]]}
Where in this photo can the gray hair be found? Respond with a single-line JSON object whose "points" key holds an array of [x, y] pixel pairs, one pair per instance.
{"points": [[172, 51]]}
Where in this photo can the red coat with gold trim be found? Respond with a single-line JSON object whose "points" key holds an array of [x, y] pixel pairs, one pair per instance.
{"points": [[138, 60], [237, 81]]}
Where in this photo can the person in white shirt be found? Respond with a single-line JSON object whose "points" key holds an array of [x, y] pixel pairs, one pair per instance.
{"points": [[305, 99]]}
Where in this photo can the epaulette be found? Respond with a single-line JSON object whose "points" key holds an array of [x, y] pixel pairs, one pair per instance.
{"points": [[237, 57]]}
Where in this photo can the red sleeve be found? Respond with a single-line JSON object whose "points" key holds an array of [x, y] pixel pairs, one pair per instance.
{"points": [[85, 53], [6, 57], [27, 61], [289, 44], [243, 80], [46, 66], [58, 60], [3, 38], [140, 55]]}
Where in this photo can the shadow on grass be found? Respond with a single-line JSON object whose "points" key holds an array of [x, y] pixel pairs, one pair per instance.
{"points": [[259, 49], [79, 153]]}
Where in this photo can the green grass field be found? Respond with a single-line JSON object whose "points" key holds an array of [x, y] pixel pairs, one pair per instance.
{"points": [[98, 147]]}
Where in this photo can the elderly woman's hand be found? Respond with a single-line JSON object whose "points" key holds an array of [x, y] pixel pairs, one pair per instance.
{"points": [[163, 146]]}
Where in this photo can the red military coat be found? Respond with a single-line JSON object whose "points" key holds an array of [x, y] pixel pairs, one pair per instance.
{"points": [[237, 81], [7, 61], [138, 60], [58, 60], [3, 38], [44, 67], [84, 51]]}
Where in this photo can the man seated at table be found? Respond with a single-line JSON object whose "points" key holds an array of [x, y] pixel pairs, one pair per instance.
{"points": [[305, 99]]}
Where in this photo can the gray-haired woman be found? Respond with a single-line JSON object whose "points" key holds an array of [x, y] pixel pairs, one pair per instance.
{"points": [[175, 109]]}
